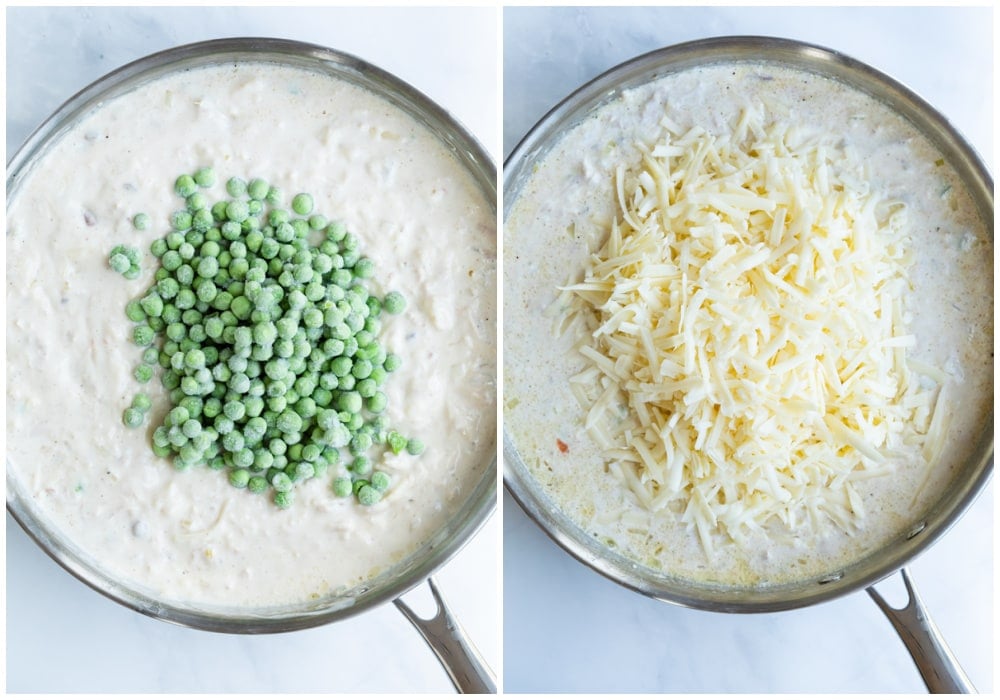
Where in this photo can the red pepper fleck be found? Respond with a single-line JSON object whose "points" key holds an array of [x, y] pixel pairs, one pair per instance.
{"points": [[563, 447]]}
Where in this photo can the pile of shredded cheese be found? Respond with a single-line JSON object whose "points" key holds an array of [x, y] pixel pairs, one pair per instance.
{"points": [[745, 337]]}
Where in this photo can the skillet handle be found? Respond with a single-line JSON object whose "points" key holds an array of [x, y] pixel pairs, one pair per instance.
{"points": [[937, 665], [446, 638]]}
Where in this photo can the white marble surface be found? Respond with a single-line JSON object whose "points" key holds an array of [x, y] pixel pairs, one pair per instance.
{"points": [[568, 629], [101, 647]]}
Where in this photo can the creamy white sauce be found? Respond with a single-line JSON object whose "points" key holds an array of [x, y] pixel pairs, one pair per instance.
{"points": [[565, 207], [190, 536]]}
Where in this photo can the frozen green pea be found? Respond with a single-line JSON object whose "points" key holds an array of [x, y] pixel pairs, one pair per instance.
{"points": [[141, 402], [277, 446], [233, 441], [298, 471], [365, 269], [350, 401], [133, 417], [196, 202], [190, 386], [212, 408], [394, 303], [377, 402], [158, 248], [236, 211], [162, 450], [152, 304], [368, 495], [143, 373], [239, 382], [206, 291], [284, 499], [283, 233], [311, 452], [171, 260], [234, 410], [289, 422], [239, 478], [302, 204], [210, 249], [336, 231], [193, 405], [366, 389], [236, 187], [160, 436], [185, 186], [342, 486], [380, 480], [180, 220], [312, 318], [257, 484], [119, 262], [243, 458], [143, 335], [397, 442], [168, 287], [281, 482], [360, 443], [178, 415], [176, 332], [194, 358], [186, 299], [257, 188], [191, 428], [273, 196], [392, 362], [204, 177], [254, 405], [349, 243], [361, 369], [361, 466]]}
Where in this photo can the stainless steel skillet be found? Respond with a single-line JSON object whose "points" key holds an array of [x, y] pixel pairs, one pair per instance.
{"points": [[442, 632], [939, 671]]}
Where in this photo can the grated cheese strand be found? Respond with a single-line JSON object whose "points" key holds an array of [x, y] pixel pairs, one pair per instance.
{"points": [[744, 337]]}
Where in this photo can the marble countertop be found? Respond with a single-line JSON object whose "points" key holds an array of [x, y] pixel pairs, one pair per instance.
{"points": [[566, 628], [102, 647]]}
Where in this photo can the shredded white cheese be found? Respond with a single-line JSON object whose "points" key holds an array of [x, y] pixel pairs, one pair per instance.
{"points": [[742, 328]]}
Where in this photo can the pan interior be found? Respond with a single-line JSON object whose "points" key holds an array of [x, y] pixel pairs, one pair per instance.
{"points": [[925, 525]]}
